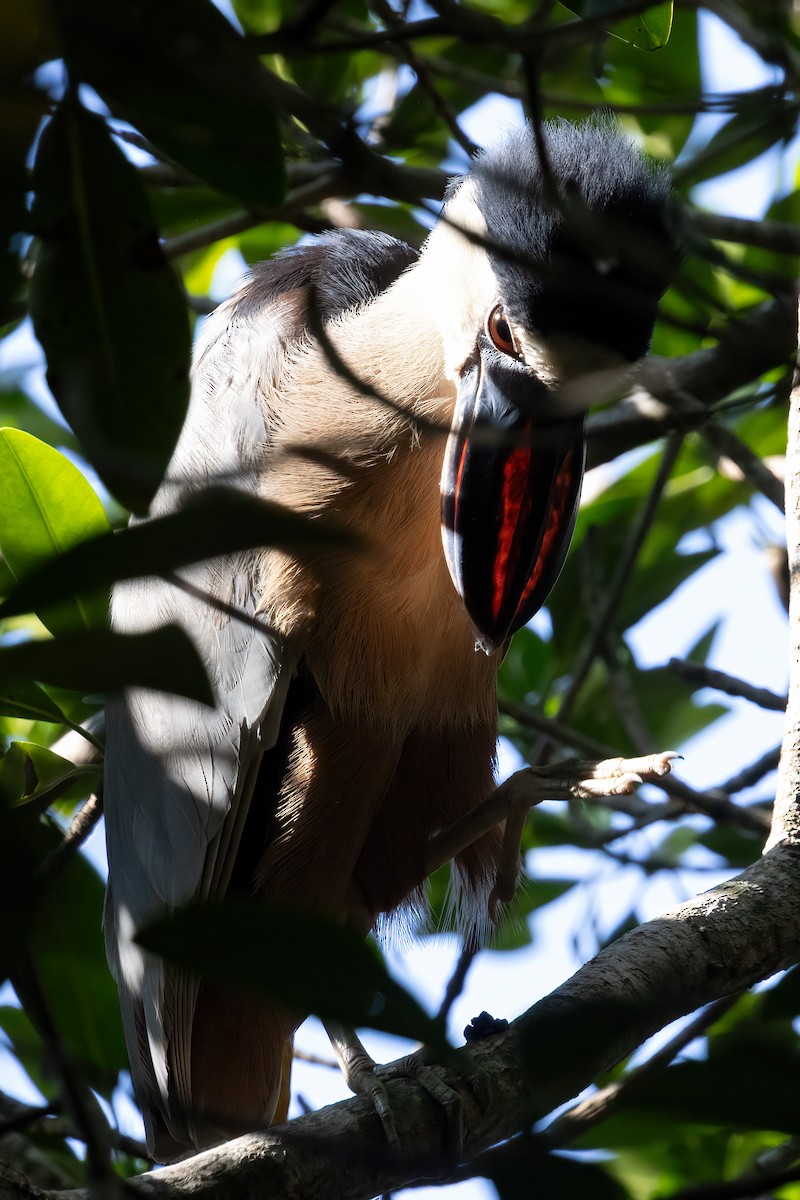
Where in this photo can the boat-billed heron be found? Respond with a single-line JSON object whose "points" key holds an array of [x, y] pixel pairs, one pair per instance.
{"points": [[416, 400]]}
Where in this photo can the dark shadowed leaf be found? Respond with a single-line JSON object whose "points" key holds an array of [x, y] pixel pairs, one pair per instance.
{"points": [[100, 661], [29, 772], [106, 307], [782, 1000], [183, 76], [27, 701], [27, 40], [215, 522], [522, 1169], [27, 1046], [739, 847], [66, 945], [711, 1092], [47, 506], [305, 962]]}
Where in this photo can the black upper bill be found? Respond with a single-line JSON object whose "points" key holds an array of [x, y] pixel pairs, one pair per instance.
{"points": [[510, 490]]}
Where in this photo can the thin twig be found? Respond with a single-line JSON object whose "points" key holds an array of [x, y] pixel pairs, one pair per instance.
{"points": [[731, 685], [314, 1059], [230, 610], [781, 237], [426, 80], [103, 1182], [49, 1121], [575, 1122], [455, 984], [739, 1189], [531, 785], [714, 804], [749, 776], [24, 1116], [622, 575], [753, 468], [77, 832]]}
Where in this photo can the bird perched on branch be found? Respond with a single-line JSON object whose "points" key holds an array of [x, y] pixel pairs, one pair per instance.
{"points": [[433, 405]]}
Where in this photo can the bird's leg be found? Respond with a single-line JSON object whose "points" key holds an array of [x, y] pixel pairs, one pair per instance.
{"points": [[571, 779], [365, 1077], [359, 1070], [509, 803]]}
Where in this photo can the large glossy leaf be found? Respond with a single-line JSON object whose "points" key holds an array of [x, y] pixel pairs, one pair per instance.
{"points": [[29, 772], [27, 41], [305, 962], [215, 522], [711, 1092], [649, 30], [106, 307], [514, 1167], [28, 702], [66, 945], [671, 715], [47, 506], [101, 661], [183, 76]]}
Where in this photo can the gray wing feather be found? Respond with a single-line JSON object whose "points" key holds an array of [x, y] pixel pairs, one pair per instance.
{"points": [[179, 775]]}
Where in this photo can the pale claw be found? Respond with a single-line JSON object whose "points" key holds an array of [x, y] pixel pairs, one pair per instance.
{"points": [[430, 1078]]}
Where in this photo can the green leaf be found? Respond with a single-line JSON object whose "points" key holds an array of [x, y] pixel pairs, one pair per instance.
{"points": [[183, 76], [745, 136], [649, 30], [739, 847], [27, 1046], [100, 661], [214, 522], [513, 1168], [305, 962], [46, 506], [711, 1092], [29, 772], [783, 999], [66, 945], [106, 306], [19, 411], [531, 895], [28, 702]]}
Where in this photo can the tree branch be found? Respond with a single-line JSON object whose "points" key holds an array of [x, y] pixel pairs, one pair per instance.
{"points": [[721, 942], [764, 339], [786, 815]]}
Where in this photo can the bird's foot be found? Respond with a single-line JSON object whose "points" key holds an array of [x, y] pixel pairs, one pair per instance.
{"points": [[360, 1075], [367, 1078], [510, 803], [570, 778]]}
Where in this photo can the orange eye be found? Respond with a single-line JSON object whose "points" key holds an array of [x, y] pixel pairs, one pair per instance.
{"points": [[499, 331]]}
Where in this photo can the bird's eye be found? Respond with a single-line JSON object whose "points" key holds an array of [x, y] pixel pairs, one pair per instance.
{"points": [[499, 331]]}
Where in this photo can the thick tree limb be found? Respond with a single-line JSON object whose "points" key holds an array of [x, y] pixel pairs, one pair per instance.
{"points": [[720, 942], [786, 818]]}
